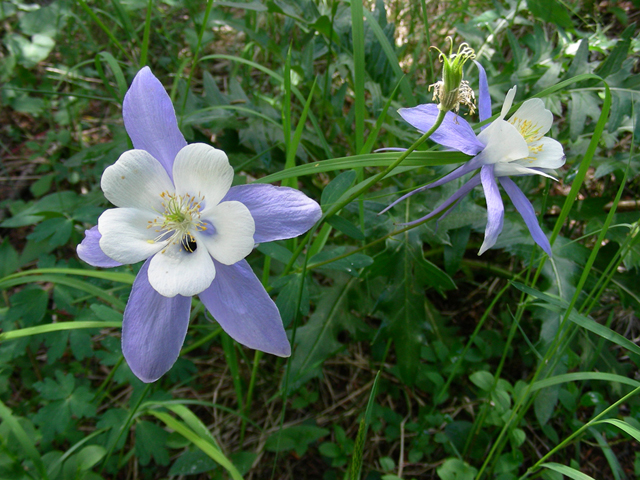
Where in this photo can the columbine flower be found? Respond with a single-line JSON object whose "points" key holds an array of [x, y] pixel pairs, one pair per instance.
{"points": [[176, 209], [452, 90], [514, 147]]}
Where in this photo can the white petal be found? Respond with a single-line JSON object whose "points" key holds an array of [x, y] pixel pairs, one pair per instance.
{"points": [[230, 238], [202, 170], [125, 236], [136, 180], [508, 101], [503, 143], [175, 271], [547, 153], [515, 168], [532, 117]]}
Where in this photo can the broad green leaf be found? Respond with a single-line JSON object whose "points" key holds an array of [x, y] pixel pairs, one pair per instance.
{"points": [[346, 227], [90, 456], [337, 187], [29, 52], [456, 469], [483, 380]]}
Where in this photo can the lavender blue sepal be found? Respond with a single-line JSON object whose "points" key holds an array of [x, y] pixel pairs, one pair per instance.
{"points": [[242, 307], [89, 250], [484, 98], [526, 211], [153, 329], [150, 119], [454, 132], [495, 208], [279, 212]]}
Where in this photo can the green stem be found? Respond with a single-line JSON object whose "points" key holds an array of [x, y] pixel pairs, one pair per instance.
{"points": [[196, 54], [125, 426], [579, 431], [361, 188]]}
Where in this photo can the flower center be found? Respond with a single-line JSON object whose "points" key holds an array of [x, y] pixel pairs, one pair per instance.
{"points": [[181, 217], [530, 131]]}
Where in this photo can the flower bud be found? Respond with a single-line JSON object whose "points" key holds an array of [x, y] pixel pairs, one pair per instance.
{"points": [[452, 90]]}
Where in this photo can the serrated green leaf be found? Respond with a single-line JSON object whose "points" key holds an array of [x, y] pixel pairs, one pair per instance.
{"points": [[28, 306], [151, 442]]}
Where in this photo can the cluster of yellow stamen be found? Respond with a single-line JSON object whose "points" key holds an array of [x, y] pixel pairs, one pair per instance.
{"points": [[530, 132], [181, 216]]}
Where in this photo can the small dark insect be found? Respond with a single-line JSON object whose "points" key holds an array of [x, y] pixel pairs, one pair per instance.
{"points": [[189, 244]]}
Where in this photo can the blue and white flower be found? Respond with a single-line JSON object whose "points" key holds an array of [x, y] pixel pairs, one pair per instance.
{"points": [[177, 211], [503, 148]]}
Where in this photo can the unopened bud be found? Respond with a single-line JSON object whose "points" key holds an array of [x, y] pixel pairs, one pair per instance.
{"points": [[452, 90]]}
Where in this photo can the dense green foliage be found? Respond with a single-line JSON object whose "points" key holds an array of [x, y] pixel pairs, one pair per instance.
{"points": [[503, 366]]}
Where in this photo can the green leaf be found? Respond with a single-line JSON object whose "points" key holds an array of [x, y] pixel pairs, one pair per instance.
{"points": [[349, 264], [297, 438], [192, 462], [568, 471], [545, 403], [551, 11], [337, 187], [482, 380], [57, 229], [29, 52], [80, 343], [23, 439], [89, 456], [317, 340], [584, 376], [288, 298], [277, 251], [613, 61], [624, 426], [415, 159], [67, 402], [28, 306], [557, 304], [456, 469], [8, 258], [346, 227], [151, 442]]}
